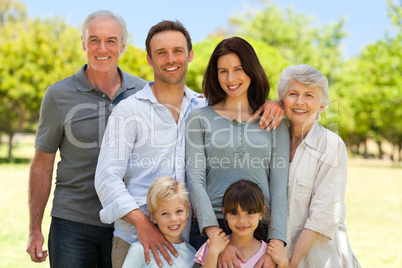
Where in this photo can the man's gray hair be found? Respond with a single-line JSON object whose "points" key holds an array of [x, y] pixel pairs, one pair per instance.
{"points": [[106, 14], [306, 75]]}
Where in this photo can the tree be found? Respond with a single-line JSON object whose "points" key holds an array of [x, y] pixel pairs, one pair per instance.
{"points": [[134, 61], [294, 35], [33, 55], [11, 12]]}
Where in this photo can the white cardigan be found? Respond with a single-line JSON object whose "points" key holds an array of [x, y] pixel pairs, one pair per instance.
{"points": [[316, 192]]}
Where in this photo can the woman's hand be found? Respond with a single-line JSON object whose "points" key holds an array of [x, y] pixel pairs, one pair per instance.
{"points": [[230, 257], [272, 115], [278, 253]]}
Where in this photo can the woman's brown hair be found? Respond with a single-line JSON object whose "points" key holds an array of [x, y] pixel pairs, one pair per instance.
{"points": [[259, 88]]}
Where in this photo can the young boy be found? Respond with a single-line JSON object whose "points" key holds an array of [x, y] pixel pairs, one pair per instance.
{"points": [[168, 205]]}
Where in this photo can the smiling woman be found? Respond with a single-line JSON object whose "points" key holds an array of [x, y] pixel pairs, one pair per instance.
{"points": [[317, 175], [235, 85]]}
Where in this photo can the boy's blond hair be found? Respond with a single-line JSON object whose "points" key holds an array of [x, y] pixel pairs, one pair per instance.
{"points": [[165, 189]]}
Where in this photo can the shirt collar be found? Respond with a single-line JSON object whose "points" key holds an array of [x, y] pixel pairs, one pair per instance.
{"points": [[82, 83], [312, 140], [147, 94]]}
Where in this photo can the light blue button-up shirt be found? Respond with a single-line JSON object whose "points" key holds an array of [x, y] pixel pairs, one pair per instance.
{"points": [[142, 141]]}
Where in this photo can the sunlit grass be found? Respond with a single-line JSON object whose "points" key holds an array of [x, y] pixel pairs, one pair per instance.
{"points": [[373, 201], [374, 205]]}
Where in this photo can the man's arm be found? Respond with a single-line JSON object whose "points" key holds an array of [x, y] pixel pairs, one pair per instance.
{"points": [[40, 184], [150, 237]]}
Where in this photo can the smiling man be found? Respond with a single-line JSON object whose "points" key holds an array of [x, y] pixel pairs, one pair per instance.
{"points": [[73, 117], [144, 140]]}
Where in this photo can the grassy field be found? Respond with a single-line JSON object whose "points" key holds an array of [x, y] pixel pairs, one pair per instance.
{"points": [[373, 200]]}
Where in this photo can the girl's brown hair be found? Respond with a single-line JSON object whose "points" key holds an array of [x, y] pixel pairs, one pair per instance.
{"points": [[249, 196]]}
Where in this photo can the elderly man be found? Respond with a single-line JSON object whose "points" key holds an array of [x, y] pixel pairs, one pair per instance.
{"points": [[73, 117]]}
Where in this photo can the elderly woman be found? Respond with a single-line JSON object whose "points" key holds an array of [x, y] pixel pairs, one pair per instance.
{"points": [[317, 174]]}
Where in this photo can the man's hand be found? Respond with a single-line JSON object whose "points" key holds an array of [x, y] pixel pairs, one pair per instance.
{"points": [[34, 247], [272, 115], [150, 237], [40, 184], [230, 257]]}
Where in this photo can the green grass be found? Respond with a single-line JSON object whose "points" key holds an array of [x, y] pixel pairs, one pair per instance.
{"points": [[374, 206], [15, 218], [373, 201]]}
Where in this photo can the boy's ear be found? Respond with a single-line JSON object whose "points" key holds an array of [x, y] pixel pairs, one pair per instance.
{"points": [[152, 218]]}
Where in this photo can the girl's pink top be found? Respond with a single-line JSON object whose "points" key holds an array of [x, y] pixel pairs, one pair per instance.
{"points": [[201, 256]]}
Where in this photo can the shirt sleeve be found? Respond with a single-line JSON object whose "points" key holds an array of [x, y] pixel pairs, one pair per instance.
{"points": [[327, 204], [196, 170], [278, 177], [201, 254], [50, 127], [135, 257], [117, 144]]}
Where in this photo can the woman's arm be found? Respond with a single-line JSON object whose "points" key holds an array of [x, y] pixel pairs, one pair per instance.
{"points": [[278, 177], [303, 244], [196, 162], [327, 205], [327, 201]]}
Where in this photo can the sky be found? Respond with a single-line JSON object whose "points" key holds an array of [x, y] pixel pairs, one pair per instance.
{"points": [[366, 20]]}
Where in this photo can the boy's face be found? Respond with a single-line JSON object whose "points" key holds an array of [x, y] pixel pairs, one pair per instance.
{"points": [[171, 218]]}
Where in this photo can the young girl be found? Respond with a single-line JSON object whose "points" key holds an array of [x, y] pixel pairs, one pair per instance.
{"points": [[243, 209]]}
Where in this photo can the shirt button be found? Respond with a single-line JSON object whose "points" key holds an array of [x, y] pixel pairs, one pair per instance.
{"points": [[103, 95], [111, 106]]}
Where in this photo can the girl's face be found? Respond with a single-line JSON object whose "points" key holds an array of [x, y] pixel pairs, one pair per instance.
{"points": [[243, 223], [171, 218], [232, 78], [302, 103]]}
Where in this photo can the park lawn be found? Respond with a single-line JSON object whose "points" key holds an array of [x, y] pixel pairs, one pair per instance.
{"points": [[374, 212], [373, 201]]}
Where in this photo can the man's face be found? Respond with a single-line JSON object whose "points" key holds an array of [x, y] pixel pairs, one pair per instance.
{"points": [[169, 57], [103, 44]]}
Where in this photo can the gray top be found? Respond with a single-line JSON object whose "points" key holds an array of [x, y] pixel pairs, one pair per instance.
{"points": [[220, 152], [72, 119]]}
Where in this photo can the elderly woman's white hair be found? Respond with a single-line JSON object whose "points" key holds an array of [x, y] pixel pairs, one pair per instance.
{"points": [[309, 77], [106, 14]]}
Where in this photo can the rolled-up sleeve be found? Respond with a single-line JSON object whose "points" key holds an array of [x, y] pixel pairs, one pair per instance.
{"points": [[117, 144], [327, 203]]}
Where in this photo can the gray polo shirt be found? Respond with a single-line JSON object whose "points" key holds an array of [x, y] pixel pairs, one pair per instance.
{"points": [[73, 118]]}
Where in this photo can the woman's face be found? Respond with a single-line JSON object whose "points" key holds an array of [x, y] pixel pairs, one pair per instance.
{"points": [[232, 78], [302, 103]]}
